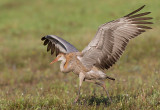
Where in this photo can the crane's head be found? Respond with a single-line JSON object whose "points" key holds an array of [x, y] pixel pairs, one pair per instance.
{"points": [[59, 57]]}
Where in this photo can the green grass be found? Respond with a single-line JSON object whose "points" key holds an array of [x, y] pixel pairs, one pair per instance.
{"points": [[27, 81]]}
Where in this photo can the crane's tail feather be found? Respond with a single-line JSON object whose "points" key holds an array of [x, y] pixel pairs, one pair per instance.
{"points": [[107, 77]]}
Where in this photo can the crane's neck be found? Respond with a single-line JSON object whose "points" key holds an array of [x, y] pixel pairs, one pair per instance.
{"points": [[62, 64], [65, 65]]}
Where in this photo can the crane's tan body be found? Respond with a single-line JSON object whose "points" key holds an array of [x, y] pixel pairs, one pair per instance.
{"points": [[71, 63]]}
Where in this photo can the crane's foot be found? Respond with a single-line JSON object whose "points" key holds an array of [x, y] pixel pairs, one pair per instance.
{"points": [[76, 100], [78, 95]]}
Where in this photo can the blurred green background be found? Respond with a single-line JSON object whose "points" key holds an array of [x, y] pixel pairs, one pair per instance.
{"points": [[27, 81]]}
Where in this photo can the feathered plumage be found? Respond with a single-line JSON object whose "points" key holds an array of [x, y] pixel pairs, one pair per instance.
{"points": [[58, 44], [111, 39]]}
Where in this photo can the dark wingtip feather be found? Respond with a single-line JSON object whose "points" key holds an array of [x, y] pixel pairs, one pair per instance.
{"points": [[141, 22], [140, 30], [141, 18], [135, 11], [52, 51], [46, 42], [144, 27], [49, 46], [139, 15], [43, 38], [57, 51]]}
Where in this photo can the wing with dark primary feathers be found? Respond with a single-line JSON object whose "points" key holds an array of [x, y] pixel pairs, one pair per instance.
{"points": [[111, 39], [58, 44]]}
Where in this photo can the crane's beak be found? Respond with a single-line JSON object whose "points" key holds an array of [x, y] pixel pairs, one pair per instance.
{"points": [[55, 60]]}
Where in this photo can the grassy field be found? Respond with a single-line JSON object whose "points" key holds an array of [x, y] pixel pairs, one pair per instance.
{"points": [[27, 81]]}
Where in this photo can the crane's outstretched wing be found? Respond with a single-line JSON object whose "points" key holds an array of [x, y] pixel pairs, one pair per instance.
{"points": [[111, 39], [58, 44]]}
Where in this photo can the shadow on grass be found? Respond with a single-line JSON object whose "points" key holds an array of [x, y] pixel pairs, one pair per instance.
{"points": [[94, 100]]}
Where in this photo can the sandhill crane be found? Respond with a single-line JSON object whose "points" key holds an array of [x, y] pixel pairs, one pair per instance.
{"points": [[102, 52]]}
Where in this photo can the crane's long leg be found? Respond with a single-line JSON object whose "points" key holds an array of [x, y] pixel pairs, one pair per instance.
{"points": [[81, 79], [102, 84], [104, 87]]}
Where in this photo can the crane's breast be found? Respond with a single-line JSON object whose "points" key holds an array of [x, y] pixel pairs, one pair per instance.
{"points": [[69, 61], [74, 63]]}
